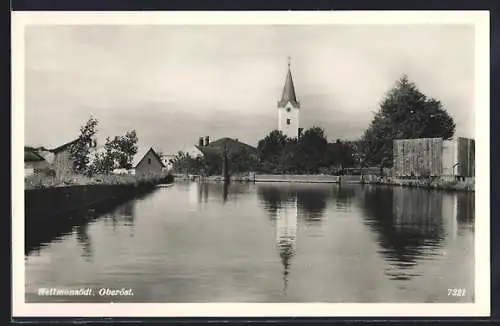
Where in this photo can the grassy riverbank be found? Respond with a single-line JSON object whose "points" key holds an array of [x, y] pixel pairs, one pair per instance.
{"points": [[42, 181], [437, 184]]}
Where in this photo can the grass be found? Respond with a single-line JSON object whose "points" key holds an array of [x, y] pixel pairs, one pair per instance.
{"points": [[44, 181], [427, 184]]}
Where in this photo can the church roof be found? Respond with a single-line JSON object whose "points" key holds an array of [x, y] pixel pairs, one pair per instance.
{"points": [[288, 94]]}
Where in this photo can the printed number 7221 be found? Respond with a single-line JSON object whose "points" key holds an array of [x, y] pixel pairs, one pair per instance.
{"points": [[456, 292]]}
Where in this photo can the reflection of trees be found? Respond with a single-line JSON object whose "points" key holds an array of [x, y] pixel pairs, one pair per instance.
{"points": [[311, 202], [84, 240], [203, 192], [344, 194], [218, 190], [37, 233], [274, 198], [408, 223]]}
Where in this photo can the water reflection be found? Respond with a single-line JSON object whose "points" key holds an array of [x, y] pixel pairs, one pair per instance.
{"points": [[225, 187], [289, 243], [409, 224], [286, 235], [312, 202], [83, 239], [344, 195], [465, 210], [205, 191], [38, 234]]}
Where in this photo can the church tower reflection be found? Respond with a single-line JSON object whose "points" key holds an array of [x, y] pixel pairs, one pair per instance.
{"points": [[286, 235]]}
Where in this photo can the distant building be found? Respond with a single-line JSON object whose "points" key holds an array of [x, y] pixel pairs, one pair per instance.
{"points": [[149, 163], [33, 162], [434, 157], [288, 109], [226, 143]]}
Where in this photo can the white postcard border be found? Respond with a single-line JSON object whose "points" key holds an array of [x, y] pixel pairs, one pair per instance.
{"points": [[480, 19]]}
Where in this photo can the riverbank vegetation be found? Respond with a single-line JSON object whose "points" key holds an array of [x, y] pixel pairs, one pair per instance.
{"points": [[426, 183], [44, 181]]}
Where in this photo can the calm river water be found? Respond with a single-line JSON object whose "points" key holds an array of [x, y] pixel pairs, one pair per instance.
{"points": [[195, 242]]}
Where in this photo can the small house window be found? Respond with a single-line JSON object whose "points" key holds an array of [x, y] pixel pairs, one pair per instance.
{"points": [[288, 121], [149, 161]]}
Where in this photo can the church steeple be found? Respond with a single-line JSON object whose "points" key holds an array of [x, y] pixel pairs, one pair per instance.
{"points": [[288, 95]]}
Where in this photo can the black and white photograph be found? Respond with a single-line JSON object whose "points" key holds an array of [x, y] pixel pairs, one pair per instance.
{"points": [[248, 164]]}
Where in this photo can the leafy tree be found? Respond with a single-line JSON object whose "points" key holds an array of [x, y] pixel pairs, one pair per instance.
{"points": [[80, 150], [122, 149], [339, 155], [310, 150], [272, 145], [118, 153], [405, 112]]}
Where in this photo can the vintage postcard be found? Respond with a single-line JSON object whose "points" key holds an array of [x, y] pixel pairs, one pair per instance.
{"points": [[250, 164]]}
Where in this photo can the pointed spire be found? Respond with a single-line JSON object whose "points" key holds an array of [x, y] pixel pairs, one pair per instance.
{"points": [[288, 94]]}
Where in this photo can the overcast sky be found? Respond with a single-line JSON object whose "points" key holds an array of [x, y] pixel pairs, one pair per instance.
{"points": [[176, 83]]}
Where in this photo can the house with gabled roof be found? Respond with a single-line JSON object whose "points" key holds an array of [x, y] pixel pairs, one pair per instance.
{"points": [[150, 163], [33, 162], [62, 162]]}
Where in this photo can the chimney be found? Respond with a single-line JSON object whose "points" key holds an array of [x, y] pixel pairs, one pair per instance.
{"points": [[207, 140], [200, 142]]}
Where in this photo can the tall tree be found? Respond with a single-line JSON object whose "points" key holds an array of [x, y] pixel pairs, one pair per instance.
{"points": [[80, 150], [405, 112], [310, 150]]}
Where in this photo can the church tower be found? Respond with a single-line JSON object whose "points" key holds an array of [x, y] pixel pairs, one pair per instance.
{"points": [[288, 108]]}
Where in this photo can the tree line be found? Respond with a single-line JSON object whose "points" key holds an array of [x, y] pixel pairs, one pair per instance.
{"points": [[404, 113]]}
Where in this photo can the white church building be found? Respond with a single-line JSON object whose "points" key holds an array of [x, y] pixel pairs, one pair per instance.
{"points": [[289, 109]]}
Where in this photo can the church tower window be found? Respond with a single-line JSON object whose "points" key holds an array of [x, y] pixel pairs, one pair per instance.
{"points": [[288, 121]]}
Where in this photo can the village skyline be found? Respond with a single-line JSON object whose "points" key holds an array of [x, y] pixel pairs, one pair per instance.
{"points": [[225, 82]]}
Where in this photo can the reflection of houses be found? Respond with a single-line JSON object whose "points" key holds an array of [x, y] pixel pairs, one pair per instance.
{"points": [[434, 157], [149, 164], [286, 235], [418, 211]]}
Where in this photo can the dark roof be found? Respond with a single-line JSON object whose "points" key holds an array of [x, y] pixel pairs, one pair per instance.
{"points": [[62, 147], [155, 155], [30, 155], [288, 94], [230, 144]]}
